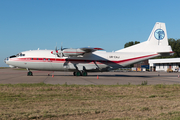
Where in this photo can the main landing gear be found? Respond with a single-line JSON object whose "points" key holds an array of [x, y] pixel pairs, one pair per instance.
{"points": [[80, 73]]}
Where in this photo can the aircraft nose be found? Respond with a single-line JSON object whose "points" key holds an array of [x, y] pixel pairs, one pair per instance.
{"points": [[6, 59]]}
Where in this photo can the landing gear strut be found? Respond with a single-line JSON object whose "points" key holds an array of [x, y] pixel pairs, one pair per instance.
{"points": [[80, 73]]}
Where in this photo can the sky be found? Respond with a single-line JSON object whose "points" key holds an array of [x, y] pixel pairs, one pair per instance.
{"points": [[108, 24]]}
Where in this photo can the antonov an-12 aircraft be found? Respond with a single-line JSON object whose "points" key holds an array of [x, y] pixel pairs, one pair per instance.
{"points": [[83, 60]]}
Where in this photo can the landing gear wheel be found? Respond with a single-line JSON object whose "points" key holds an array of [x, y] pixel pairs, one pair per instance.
{"points": [[74, 73], [84, 73], [29, 73], [78, 73]]}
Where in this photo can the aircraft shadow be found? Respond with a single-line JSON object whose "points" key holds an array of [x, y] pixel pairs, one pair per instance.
{"points": [[102, 76]]}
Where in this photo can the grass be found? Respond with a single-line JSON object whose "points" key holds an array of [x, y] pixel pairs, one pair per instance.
{"points": [[104, 102], [4, 67]]}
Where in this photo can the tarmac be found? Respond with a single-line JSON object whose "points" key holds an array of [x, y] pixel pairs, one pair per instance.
{"points": [[16, 76]]}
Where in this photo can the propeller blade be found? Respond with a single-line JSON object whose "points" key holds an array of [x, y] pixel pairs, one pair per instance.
{"points": [[61, 47]]}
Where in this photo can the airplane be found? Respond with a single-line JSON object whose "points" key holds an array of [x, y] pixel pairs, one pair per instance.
{"points": [[83, 60]]}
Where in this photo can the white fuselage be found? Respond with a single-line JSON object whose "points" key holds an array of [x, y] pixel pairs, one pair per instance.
{"points": [[96, 61]]}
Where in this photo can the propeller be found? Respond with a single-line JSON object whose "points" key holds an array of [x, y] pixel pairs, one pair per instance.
{"points": [[56, 50], [59, 53]]}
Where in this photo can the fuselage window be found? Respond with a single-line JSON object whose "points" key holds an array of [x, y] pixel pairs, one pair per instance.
{"points": [[48, 59], [31, 58], [37, 58], [44, 59]]}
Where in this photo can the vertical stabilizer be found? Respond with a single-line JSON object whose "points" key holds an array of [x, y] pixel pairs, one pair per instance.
{"points": [[158, 35]]}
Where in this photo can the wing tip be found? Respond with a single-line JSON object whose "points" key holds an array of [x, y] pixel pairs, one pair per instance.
{"points": [[98, 48]]}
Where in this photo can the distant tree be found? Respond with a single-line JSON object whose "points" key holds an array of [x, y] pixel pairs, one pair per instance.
{"points": [[175, 47], [131, 43]]}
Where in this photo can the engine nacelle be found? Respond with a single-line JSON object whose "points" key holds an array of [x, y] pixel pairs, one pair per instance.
{"points": [[54, 52], [68, 52], [72, 52]]}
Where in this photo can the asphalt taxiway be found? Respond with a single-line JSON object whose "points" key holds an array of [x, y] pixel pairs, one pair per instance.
{"points": [[15, 76]]}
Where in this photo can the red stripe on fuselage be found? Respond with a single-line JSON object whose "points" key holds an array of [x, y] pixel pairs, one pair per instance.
{"points": [[58, 60], [131, 59]]}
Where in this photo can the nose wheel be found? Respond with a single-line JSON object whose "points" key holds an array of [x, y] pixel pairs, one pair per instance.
{"points": [[29, 73], [80, 73]]}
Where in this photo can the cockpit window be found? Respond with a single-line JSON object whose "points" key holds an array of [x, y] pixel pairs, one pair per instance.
{"points": [[12, 56], [20, 54]]}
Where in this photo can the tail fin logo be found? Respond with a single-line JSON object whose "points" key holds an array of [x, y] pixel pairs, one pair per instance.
{"points": [[159, 34]]}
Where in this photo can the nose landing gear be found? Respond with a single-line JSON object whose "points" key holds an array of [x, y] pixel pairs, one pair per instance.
{"points": [[29, 73]]}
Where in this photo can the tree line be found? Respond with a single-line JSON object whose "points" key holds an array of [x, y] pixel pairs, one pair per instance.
{"points": [[175, 45]]}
